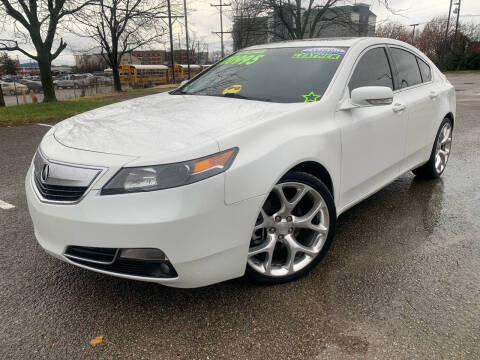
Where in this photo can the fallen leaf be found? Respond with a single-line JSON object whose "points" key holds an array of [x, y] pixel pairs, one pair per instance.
{"points": [[96, 340]]}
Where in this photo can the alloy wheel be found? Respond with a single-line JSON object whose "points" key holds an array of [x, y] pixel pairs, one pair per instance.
{"points": [[290, 230], [444, 144]]}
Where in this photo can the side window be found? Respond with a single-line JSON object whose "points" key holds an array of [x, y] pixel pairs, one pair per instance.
{"points": [[373, 69], [425, 70], [407, 67]]}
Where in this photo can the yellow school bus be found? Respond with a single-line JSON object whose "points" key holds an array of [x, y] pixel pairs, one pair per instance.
{"points": [[181, 71], [143, 75]]}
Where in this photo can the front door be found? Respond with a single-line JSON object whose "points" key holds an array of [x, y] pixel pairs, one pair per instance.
{"points": [[373, 138]]}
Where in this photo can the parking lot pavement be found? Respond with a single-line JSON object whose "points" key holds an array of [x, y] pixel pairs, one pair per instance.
{"points": [[401, 280]]}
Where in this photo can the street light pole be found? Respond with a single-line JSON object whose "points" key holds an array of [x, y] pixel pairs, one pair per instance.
{"points": [[186, 36]]}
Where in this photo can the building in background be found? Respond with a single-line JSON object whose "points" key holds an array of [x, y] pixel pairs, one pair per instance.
{"points": [[30, 68], [345, 21], [180, 57], [96, 62], [339, 21], [149, 57]]}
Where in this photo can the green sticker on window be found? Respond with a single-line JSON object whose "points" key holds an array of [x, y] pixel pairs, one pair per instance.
{"points": [[320, 53], [247, 57], [311, 97]]}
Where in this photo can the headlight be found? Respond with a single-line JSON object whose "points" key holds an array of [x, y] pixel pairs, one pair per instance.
{"points": [[151, 178]]}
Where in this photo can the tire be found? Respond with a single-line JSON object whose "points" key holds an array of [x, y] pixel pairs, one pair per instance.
{"points": [[11, 92], [289, 240], [435, 166]]}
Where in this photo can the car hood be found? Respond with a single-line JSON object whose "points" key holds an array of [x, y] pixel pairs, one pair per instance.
{"points": [[162, 124]]}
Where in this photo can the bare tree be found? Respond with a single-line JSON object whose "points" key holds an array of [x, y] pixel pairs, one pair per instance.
{"points": [[36, 22], [394, 30], [250, 24], [431, 40], [121, 26]]}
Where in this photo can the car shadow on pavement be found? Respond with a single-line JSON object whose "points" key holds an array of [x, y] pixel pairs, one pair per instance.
{"points": [[359, 277]]}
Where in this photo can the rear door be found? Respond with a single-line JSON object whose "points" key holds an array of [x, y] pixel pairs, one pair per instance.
{"points": [[373, 138], [417, 91]]}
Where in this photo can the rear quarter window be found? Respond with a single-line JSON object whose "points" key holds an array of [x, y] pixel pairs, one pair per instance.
{"points": [[425, 70]]}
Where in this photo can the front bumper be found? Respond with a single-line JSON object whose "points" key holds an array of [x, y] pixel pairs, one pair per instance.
{"points": [[205, 240]]}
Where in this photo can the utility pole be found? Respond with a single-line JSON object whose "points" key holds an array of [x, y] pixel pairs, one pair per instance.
{"points": [[458, 19], [186, 37], [221, 32], [413, 33], [171, 40], [445, 40]]}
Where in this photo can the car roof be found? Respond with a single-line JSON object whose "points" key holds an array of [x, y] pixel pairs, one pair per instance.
{"points": [[335, 41]]}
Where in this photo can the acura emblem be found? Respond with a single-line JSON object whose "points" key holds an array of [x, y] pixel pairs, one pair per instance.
{"points": [[45, 171]]}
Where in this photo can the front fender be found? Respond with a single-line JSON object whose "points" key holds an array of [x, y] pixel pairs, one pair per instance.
{"points": [[269, 150]]}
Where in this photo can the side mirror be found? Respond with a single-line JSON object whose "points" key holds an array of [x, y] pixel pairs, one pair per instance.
{"points": [[183, 83], [372, 96]]}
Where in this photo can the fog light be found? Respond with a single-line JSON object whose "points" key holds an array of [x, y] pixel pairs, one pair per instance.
{"points": [[143, 254]]}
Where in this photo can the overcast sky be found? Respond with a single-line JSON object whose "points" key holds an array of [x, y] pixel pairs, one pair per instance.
{"points": [[204, 19]]}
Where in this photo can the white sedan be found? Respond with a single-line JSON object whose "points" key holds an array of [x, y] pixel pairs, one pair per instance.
{"points": [[12, 88], [243, 169]]}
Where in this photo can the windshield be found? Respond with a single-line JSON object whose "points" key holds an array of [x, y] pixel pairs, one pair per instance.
{"points": [[300, 74]]}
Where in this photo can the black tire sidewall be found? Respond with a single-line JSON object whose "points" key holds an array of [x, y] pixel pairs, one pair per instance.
{"points": [[318, 185]]}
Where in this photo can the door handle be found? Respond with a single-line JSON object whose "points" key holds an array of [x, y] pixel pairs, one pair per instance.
{"points": [[433, 95], [398, 107]]}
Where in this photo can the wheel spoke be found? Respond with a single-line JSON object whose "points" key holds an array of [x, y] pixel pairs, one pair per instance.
{"points": [[267, 246], [297, 198], [281, 196], [289, 205], [305, 221]]}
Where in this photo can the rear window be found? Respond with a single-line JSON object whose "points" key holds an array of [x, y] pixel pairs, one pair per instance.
{"points": [[407, 67], [289, 75]]}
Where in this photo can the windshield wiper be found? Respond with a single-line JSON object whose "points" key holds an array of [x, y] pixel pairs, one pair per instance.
{"points": [[236, 96]]}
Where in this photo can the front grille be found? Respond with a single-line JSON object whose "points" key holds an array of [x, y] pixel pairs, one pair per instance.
{"points": [[59, 193], [61, 182], [108, 259], [91, 254]]}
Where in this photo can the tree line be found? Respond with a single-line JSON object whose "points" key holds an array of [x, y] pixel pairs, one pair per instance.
{"points": [[447, 49]]}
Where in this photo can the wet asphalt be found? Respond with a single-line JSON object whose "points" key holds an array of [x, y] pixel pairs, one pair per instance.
{"points": [[401, 280]]}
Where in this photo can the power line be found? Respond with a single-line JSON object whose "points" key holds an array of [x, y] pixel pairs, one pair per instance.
{"points": [[220, 6]]}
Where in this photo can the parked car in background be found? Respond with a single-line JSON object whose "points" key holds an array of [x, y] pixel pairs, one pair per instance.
{"points": [[12, 88], [103, 80], [65, 82], [244, 168], [74, 81], [36, 86]]}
